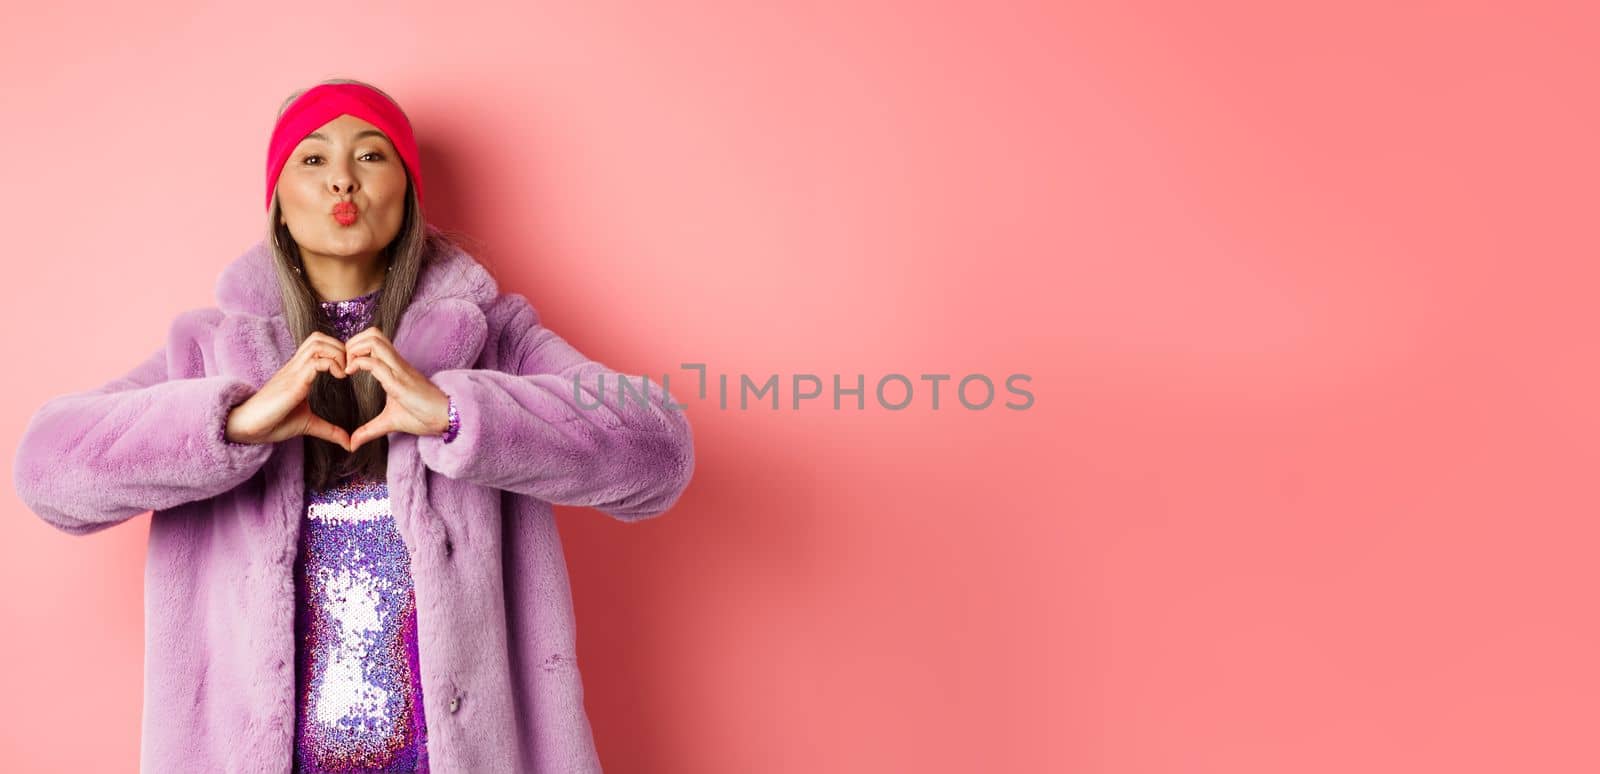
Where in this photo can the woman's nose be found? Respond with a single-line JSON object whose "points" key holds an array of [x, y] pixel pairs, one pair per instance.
{"points": [[340, 180]]}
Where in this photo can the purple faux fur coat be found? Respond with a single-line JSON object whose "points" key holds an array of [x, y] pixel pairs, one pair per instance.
{"points": [[495, 622]]}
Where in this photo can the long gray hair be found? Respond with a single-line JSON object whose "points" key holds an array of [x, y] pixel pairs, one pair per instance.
{"points": [[356, 399]]}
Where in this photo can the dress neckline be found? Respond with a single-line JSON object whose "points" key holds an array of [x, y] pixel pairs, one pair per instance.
{"points": [[351, 314], [364, 297]]}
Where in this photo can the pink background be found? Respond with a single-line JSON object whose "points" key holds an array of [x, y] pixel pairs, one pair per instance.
{"points": [[1307, 297]]}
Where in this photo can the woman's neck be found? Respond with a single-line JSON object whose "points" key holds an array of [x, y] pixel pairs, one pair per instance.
{"points": [[343, 279]]}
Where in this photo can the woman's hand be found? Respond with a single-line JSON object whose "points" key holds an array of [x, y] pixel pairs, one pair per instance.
{"points": [[281, 408], [415, 404]]}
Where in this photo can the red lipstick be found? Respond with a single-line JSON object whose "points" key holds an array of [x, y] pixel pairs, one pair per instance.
{"points": [[345, 213]]}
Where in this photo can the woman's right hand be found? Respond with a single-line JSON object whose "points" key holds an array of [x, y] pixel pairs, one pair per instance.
{"points": [[281, 408]]}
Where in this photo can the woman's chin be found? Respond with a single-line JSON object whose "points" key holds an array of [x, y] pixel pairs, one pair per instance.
{"points": [[347, 243]]}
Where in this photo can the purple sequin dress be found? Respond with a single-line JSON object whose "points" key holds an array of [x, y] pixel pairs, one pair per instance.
{"points": [[359, 690]]}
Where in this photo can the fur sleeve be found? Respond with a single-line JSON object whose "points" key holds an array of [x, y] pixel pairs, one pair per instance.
{"points": [[620, 449], [143, 441]]}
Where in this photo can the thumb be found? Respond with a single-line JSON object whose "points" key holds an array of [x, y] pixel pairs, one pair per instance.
{"points": [[317, 427], [380, 426]]}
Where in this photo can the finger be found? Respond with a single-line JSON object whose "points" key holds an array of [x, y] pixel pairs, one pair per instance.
{"points": [[384, 374], [376, 347], [315, 349], [321, 363], [380, 426], [369, 332], [365, 341], [335, 364], [321, 428], [316, 338]]}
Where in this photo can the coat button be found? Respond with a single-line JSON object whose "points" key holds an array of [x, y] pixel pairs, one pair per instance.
{"points": [[455, 703]]}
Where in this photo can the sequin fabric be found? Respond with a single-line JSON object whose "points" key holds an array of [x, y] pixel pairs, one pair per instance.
{"points": [[350, 316], [359, 689], [455, 423]]}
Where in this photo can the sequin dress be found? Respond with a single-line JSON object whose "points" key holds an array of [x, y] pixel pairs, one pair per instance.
{"points": [[358, 686]]}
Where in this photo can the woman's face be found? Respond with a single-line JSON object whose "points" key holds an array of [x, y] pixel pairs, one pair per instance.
{"points": [[345, 161]]}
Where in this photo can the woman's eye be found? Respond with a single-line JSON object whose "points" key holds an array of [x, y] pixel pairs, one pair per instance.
{"points": [[375, 155]]}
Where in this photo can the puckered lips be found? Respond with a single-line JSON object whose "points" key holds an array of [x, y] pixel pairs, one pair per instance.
{"points": [[345, 213]]}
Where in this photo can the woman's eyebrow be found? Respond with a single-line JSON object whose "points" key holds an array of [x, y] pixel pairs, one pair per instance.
{"points": [[359, 135]]}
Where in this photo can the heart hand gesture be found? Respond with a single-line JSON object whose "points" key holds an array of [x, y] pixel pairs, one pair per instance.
{"points": [[282, 408]]}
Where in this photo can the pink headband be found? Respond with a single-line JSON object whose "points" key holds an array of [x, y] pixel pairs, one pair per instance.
{"points": [[323, 103]]}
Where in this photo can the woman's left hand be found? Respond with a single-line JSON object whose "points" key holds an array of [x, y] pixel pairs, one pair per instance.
{"points": [[415, 404]]}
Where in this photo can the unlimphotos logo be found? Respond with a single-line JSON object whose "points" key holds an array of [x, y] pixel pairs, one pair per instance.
{"points": [[893, 391]]}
